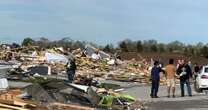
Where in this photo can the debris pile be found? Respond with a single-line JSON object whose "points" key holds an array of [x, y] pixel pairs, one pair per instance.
{"points": [[135, 71], [105, 67], [9, 100], [43, 71]]}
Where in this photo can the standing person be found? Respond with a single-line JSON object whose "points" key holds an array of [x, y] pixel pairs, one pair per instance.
{"points": [[71, 69], [170, 75], [184, 72], [196, 70], [178, 64], [190, 64], [96, 56], [151, 62], [155, 76]]}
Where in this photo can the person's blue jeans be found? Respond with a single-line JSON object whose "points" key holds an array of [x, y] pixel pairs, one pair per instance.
{"points": [[155, 87], [182, 83], [71, 74]]}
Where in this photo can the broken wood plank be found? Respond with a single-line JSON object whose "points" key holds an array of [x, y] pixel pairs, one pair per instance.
{"points": [[12, 107], [27, 102], [10, 102], [5, 109], [72, 106], [19, 103]]}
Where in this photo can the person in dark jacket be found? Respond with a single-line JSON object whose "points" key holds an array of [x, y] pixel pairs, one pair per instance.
{"points": [[71, 69], [155, 77], [196, 70], [184, 72]]}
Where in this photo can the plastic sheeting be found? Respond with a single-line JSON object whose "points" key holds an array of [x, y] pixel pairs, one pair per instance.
{"points": [[54, 57]]}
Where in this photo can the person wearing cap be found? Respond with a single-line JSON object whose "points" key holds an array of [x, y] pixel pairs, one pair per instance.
{"points": [[71, 69], [155, 77]]}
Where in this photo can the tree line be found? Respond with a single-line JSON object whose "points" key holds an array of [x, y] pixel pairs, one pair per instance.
{"points": [[127, 45], [46, 43], [152, 46]]}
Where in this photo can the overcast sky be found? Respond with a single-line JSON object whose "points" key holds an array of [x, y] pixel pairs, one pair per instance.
{"points": [[105, 21]]}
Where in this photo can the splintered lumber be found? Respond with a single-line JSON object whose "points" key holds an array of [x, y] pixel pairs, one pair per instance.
{"points": [[12, 107], [60, 106], [10, 98], [10, 95], [20, 103], [5, 109], [24, 102], [16, 103]]}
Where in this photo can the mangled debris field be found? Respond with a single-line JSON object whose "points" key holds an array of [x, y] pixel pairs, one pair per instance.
{"points": [[36, 79]]}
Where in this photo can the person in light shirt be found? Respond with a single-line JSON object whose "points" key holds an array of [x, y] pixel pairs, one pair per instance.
{"points": [[96, 55], [171, 76]]}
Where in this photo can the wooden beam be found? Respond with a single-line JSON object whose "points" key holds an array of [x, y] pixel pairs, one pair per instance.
{"points": [[12, 107], [72, 106], [5, 109]]}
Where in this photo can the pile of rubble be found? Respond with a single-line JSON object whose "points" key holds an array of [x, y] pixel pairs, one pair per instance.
{"points": [[112, 68], [44, 73], [52, 94], [106, 67]]}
